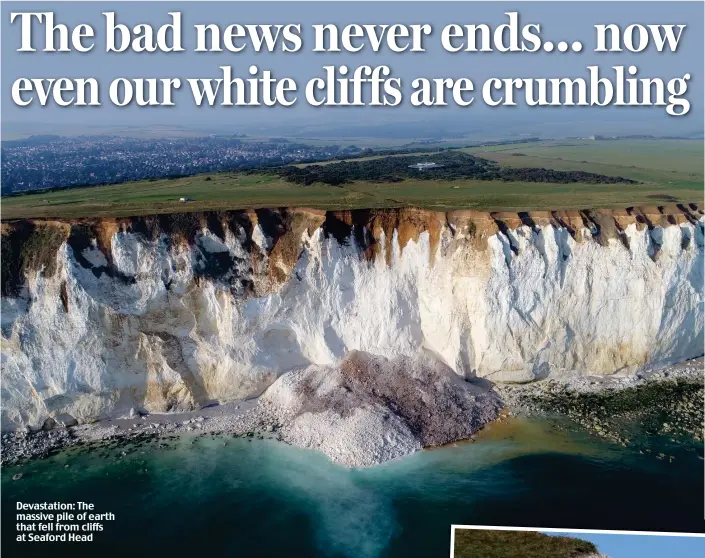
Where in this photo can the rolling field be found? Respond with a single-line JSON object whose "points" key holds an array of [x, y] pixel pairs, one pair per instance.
{"points": [[676, 163], [669, 171]]}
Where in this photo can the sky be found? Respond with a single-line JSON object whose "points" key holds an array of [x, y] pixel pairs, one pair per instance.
{"points": [[559, 21], [643, 546]]}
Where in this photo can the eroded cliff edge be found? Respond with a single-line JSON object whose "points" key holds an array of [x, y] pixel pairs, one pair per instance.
{"points": [[171, 312]]}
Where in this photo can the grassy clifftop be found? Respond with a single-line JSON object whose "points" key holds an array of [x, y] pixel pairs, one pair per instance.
{"points": [[478, 543], [663, 172]]}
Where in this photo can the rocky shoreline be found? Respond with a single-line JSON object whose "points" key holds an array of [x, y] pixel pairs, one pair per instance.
{"points": [[252, 421], [361, 412], [666, 402]]}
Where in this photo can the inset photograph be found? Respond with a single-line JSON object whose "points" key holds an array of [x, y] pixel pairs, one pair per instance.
{"points": [[510, 542]]}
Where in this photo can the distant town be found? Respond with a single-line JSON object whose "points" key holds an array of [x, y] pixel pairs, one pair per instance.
{"points": [[47, 162]]}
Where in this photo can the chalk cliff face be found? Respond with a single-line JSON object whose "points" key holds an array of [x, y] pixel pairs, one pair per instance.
{"points": [[171, 312]]}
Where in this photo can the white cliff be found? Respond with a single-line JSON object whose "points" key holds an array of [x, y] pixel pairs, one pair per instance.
{"points": [[130, 315]]}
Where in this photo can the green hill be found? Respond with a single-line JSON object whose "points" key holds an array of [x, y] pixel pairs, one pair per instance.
{"points": [[522, 177], [479, 543]]}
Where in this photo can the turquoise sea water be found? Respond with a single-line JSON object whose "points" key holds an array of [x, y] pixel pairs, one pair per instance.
{"points": [[263, 498]]}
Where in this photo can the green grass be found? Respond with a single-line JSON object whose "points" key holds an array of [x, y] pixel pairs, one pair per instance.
{"points": [[677, 163], [223, 191], [359, 159], [669, 171], [478, 543]]}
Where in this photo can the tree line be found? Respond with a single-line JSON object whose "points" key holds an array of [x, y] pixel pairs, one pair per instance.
{"points": [[450, 165]]}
